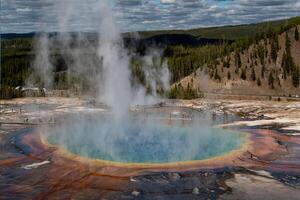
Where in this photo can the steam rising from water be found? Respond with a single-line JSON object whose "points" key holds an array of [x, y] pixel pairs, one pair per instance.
{"points": [[115, 62], [42, 65], [102, 63], [144, 138]]}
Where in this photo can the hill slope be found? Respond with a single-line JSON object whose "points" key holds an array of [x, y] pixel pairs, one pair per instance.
{"points": [[220, 59], [226, 32], [268, 67]]}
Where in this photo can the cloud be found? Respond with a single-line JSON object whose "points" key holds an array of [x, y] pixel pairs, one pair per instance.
{"points": [[168, 1], [132, 15], [23, 10]]}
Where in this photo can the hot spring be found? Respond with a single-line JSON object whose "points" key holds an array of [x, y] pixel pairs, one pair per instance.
{"points": [[146, 138]]}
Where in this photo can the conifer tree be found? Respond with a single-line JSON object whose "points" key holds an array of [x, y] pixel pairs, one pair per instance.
{"points": [[258, 81], [216, 75], [228, 75], [271, 80], [295, 76], [253, 76], [274, 48], [243, 74], [263, 69], [296, 34]]}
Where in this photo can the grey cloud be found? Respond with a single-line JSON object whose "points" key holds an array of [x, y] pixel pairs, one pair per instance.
{"points": [[132, 15]]}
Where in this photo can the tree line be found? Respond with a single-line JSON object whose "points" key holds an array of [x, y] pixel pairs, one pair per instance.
{"points": [[17, 56]]}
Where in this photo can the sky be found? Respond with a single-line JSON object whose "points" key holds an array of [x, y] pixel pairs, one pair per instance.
{"points": [[20, 16]]}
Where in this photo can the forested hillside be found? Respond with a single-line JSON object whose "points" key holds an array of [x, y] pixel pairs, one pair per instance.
{"points": [[256, 58], [227, 32], [266, 66]]}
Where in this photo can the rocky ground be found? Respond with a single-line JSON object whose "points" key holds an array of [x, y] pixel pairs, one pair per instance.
{"points": [[26, 176]]}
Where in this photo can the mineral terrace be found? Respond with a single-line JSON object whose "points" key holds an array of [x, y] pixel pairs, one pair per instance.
{"points": [[268, 167]]}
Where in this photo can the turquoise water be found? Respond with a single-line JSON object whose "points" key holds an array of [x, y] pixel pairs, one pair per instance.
{"points": [[151, 141]]}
